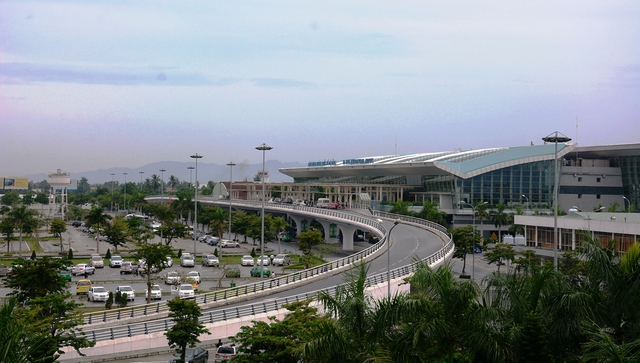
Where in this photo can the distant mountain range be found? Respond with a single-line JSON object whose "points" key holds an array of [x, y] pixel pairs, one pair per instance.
{"points": [[206, 172]]}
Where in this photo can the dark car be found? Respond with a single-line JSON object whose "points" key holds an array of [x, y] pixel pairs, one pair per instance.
{"points": [[76, 224], [193, 355]]}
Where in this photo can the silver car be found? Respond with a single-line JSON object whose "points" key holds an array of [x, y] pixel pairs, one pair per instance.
{"points": [[97, 293], [281, 259], [247, 261], [210, 260]]}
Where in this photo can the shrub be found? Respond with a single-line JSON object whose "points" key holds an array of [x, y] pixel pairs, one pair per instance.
{"points": [[108, 255], [70, 255], [33, 255]]}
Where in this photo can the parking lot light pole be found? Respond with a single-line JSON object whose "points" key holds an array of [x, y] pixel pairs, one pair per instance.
{"points": [[230, 165], [125, 191], [589, 217], [264, 147], [555, 137], [525, 197], [162, 190], [626, 209], [112, 175], [195, 214], [473, 251]]}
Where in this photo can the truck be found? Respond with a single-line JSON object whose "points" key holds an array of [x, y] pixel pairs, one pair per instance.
{"points": [[323, 202]]}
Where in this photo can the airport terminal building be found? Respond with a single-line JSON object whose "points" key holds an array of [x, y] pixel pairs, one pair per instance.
{"points": [[591, 177]]}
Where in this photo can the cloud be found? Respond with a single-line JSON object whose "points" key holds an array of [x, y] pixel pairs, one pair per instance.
{"points": [[27, 73], [281, 83]]}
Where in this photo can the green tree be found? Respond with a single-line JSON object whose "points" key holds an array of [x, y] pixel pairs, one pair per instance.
{"points": [[24, 219], [499, 218], [98, 219], [19, 340], [186, 327], [6, 228], [173, 182], [499, 253], [431, 213], [308, 240], [83, 185], [465, 239], [155, 258], [400, 207], [42, 198], [10, 199], [116, 232], [58, 227], [32, 279]]}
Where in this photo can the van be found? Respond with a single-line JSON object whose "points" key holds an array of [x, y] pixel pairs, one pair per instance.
{"points": [[323, 202]]}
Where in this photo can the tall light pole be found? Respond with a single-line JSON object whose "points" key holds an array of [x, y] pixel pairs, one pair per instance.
{"points": [[589, 217], [525, 197], [626, 209], [555, 137], [112, 175], [264, 147], [473, 253], [195, 230], [388, 241], [230, 165], [125, 191], [141, 172], [190, 170], [162, 190]]}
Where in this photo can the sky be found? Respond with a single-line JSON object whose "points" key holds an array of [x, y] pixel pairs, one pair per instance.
{"points": [[88, 85]]}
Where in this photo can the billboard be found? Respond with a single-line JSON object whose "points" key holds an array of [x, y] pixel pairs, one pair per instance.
{"points": [[15, 183]]}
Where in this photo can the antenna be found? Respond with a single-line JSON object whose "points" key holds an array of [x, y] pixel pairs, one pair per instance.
{"points": [[396, 146], [577, 140]]}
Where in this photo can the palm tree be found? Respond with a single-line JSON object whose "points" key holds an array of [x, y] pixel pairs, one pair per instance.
{"points": [[499, 218], [278, 224], [218, 220], [184, 204], [481, 215], [24, 219], [96, 217], [155, 183], [173, 182]]}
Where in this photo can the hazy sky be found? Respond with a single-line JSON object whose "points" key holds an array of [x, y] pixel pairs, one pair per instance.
{"points": [[87, 85]]}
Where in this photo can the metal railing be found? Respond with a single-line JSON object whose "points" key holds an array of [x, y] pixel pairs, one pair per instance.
{"points": [[221, 296], [221, 315]]}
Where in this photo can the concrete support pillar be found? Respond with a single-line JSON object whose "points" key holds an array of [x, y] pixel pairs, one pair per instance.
{"points": [[299, 223], [347, 236]]}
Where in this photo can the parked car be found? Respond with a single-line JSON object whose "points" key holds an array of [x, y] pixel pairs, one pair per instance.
{"points": [[127, 290], [213, 241], [224, 353], [228, 243], [247, 260], [169, 262], [81, 268], [281, 259], [194, 275], [374, 239], [64, 273], [232, 271], [193, 282], [186, 291], [210, 260], [96, 261], [128, 267], [193, 355], [142, 267], [156, 292], [255, 272], [187, 260], [172, 278], [263, 261], [82, 286], [203, 238], [284, 237], [97, 293], [115, 261], [4, 270], [76, 224]]}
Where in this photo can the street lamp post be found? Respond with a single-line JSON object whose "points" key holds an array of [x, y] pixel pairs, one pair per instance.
{"points": [[112, 175], [195, 230], [162, 190], [555, 137], [589, 217], [388, 241], [626, 209], [473, 252], [264, 147], [125, 191], [190, 170], [525, 197], [231, 164]]}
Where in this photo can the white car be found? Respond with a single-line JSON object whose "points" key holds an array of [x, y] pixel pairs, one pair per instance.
{"points": [[96, 261], [97, 293], [194, 275], [81, 268], [169, 262], [264, 261], [156, 292], [127, 290], [172, 278], [115, 261], [186, 291], [281, 260], [228, 243], [210, 260], [187, 261], [247, 261]]}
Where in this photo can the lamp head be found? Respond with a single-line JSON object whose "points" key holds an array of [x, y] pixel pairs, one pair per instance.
{"points": [[396, 222]]}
